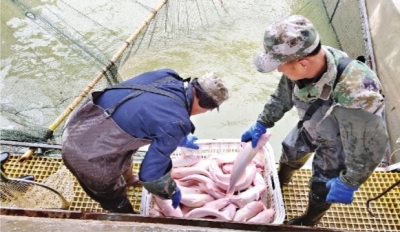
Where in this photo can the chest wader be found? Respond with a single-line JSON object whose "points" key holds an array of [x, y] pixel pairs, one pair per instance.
{"points": [[98, 152], [319, 134]]}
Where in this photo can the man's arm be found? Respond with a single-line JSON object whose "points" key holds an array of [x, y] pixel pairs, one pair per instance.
{"points": [[364, 138], [279, 103], [156, 166]]}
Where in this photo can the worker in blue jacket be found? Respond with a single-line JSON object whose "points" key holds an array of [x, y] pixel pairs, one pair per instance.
{"points": [[152, 108]]}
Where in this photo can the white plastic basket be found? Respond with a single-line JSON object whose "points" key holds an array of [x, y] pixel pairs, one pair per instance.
{"points": [[223, 146]]}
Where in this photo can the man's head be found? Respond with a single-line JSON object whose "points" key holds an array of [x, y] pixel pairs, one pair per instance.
{"points": [[287, 41], [210, 92]]}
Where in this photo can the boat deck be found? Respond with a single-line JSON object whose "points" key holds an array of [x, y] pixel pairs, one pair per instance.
{"points": [[353, 217]]}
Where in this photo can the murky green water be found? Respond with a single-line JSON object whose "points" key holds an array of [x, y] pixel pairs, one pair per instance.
{"points": [[40, 76]]}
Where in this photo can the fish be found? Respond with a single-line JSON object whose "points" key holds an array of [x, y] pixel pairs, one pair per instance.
{"points": [[248, 211], [166, 208], [185, 209], [227, 168], [249, 176], [223, 158], [156, 211], [216, 172], [186, 183], [259, 180], [196, 200], [214, 169], [245, 180], [204, 164], [206, 212], [266, 216], [217, 204], [212, 190], [198, 178], [251, 194], [178, 173], [204, 181], [230, 210], [190, 190], [244, 157]]}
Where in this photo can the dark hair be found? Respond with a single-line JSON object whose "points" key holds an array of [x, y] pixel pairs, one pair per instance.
{"points": [[315, 51], [205, 101]]}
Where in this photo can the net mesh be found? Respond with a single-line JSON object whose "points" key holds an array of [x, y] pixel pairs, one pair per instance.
{"points": [[67, 47], [56, 191], [55, 52]]}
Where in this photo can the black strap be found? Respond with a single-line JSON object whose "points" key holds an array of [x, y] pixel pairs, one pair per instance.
{"points": [[319, 102], [340, 68], [144, 88]]}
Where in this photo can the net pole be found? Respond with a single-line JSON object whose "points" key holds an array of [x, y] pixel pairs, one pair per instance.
{"points": [[89, 87]]}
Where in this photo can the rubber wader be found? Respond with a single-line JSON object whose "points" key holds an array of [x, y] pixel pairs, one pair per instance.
{"points": [[316, 209], [124, 207], [287, 170]]}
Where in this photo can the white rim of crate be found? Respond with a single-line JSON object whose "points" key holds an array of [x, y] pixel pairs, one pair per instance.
{"points": [[278, 198], [270, 168]]}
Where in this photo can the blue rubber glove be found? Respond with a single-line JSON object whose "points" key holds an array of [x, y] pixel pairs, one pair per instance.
{"points": [[254, 133], [176, 198], [339, 191], [188, 142]]}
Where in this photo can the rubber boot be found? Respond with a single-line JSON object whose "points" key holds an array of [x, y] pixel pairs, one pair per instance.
{"points": [[316, 209], [285, 173], [287, 169], [124, 207]]}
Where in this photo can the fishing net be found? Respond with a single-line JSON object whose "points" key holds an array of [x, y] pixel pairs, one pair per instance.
{"points": [[55, 52], [54, 192]]}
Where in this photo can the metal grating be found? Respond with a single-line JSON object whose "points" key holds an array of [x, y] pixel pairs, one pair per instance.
{"points": [[353, 217], [43, 167]]}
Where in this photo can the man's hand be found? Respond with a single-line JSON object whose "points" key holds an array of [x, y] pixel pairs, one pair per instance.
{"points": [[339, 191], [188, 142], [176, 198], [254, 133]]}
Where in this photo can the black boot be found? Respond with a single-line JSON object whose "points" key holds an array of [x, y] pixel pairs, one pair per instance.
{"points": [[124, 207], [316, 209], [285, 173], [287, 169]]}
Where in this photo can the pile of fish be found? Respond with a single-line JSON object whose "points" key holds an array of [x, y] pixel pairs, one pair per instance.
{"points": [[227, 187]]}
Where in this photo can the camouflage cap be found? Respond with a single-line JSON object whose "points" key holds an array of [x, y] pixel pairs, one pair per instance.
{"points": [[214, 87], [287, 40]]}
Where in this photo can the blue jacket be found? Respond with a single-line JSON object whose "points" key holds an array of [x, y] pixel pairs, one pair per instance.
{"points": [[152, 116]]}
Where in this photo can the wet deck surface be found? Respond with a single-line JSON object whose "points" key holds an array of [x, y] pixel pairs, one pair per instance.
{"points": [[353, 217]]}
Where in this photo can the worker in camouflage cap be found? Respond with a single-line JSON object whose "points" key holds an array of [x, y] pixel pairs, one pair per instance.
{"points": [[341, 109], [286, 41]]}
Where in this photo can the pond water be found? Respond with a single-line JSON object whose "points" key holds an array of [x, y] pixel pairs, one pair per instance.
{"points": [[40, 77]]}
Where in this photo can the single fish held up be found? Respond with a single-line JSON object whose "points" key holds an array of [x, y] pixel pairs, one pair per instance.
{"points": [[244, 157]]}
